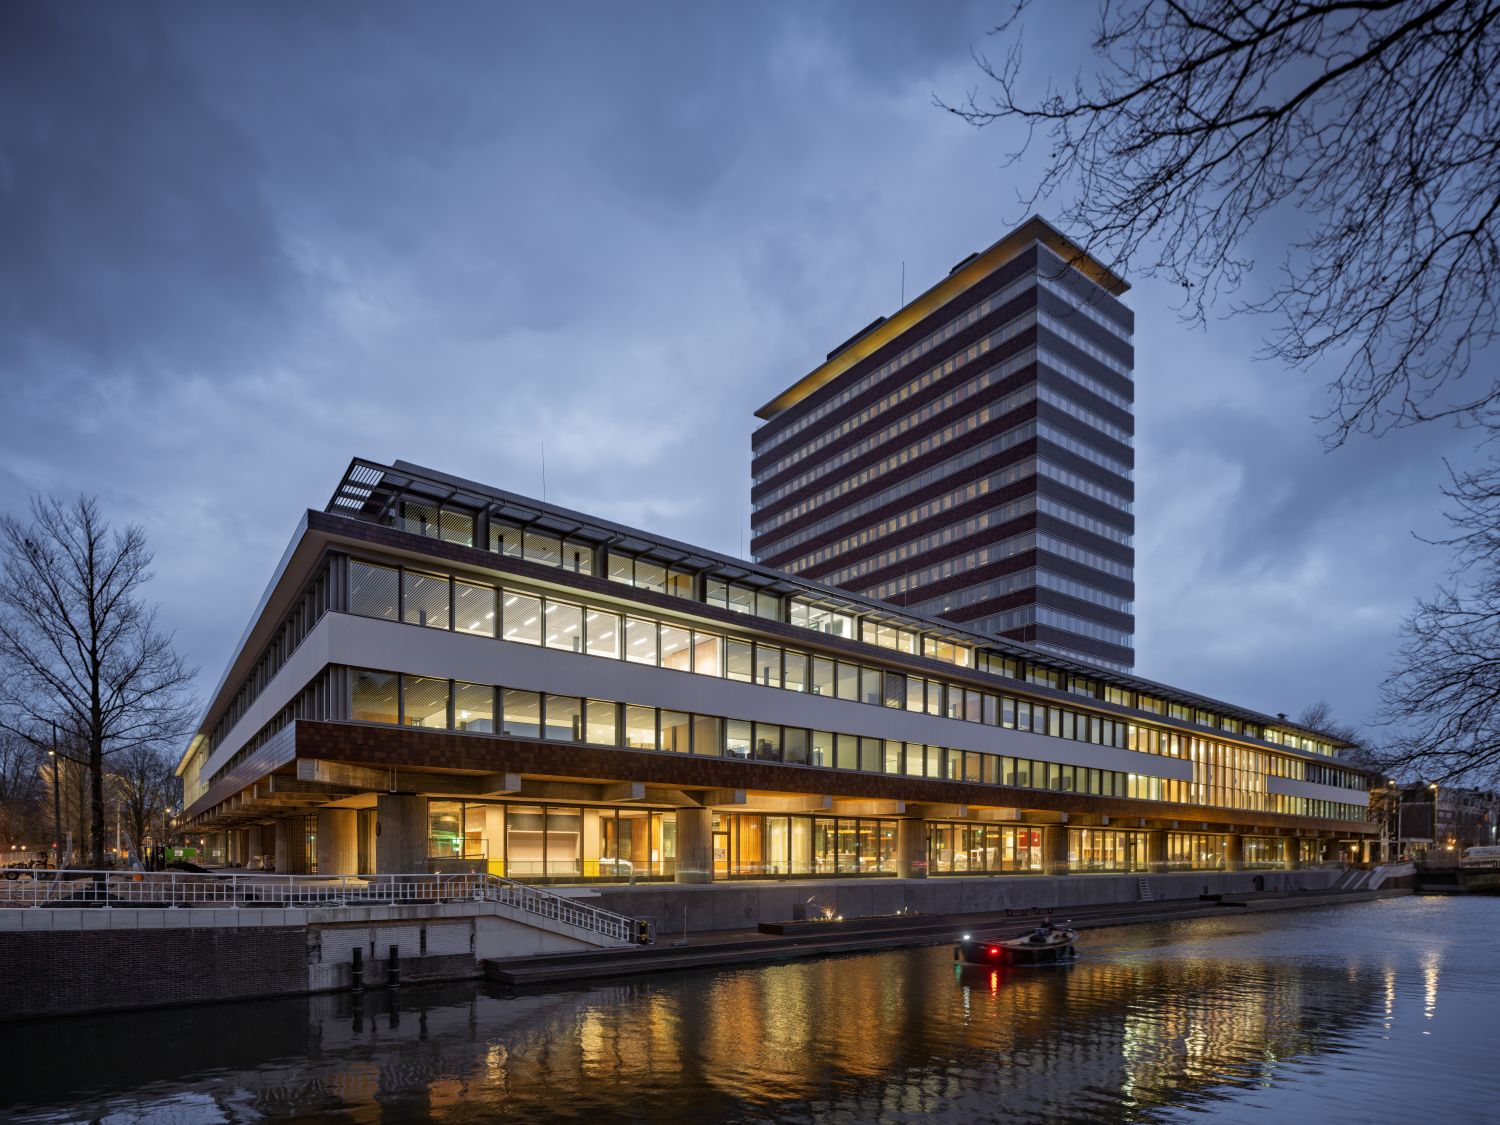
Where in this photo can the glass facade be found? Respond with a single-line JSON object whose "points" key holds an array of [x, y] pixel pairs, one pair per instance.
{"points": [[553, 843]]}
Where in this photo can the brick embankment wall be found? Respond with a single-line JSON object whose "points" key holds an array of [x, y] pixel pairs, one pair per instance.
{"points": [[61, 973]]}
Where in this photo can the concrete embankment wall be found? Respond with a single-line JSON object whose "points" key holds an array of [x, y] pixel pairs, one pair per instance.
{"points": [[737, 906], [74, 960]]}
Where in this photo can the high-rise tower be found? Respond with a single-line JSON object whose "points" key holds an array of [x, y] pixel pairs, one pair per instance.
{"points": [[971, 455]]}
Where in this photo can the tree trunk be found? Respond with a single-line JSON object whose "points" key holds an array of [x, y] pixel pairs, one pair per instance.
{"points": [[96, 800]]}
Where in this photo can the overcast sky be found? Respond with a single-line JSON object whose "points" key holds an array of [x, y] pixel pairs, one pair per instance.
{"points": [[241, 244]]}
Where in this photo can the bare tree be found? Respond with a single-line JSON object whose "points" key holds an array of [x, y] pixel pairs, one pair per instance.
{"points": [[1444, 695], [79, 647], [1319, 716], [1373, 123], [145, 789], [23, 814]]}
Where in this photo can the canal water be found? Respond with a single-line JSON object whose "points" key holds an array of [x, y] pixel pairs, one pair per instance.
{"points": [[1372, 1012]]}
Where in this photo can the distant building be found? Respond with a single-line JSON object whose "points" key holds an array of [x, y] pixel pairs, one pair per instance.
{"points": [[444, 674], [1440, 821], [970, 457]]}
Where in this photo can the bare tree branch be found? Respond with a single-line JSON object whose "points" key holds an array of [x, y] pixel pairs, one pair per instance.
{"points": [[78, 646], [1377, 124]]}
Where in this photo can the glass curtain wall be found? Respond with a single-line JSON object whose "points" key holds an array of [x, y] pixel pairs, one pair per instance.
{"points": [[557, 843], [969, 849], [1191, 851], [753, 846], [1105, 849]]}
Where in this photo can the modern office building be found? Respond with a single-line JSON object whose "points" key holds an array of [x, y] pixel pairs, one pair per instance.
{"points": [[444, 673], [970, 457]]}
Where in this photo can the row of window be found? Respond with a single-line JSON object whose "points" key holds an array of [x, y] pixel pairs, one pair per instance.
{"points": [[1083, 303], [1088, 452], [973, 490], [841, 623], [1083, 414], [1021, 580], [941, 471], [1084, 485], [764, 443], [906, 422], [436, 601], [1223, 775], [917, 450], [1060, 327], [424, 701], [999, 478]]}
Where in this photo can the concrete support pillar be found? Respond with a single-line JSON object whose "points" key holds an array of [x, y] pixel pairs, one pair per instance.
{"points": [[494, 838], [291, 845], [401, 829], [911, 848], [1055, 849], [695, 846], [367, 841], [1156, 850], [1234, 856], [338, 841], [1331, 852]]}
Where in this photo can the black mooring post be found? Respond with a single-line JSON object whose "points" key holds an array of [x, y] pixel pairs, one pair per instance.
{"points": [[393, 972], [357, 970]]}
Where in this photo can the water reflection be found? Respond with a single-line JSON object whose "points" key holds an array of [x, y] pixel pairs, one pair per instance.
{"points": [[1149, 1024]]}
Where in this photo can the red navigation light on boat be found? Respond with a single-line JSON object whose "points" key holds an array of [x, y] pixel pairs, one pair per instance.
{"points": [[994, 951]]}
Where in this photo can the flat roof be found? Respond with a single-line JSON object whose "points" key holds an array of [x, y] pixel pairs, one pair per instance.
{"points": [[968, 274]]}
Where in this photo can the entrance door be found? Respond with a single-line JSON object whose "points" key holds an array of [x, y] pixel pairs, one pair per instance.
{"points": [[721, 855]]}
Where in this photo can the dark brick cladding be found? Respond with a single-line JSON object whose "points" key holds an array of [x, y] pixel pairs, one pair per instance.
{"points": [[1012, 382], [407, 747], [935, 390], [44, 973], [1024, 263]]}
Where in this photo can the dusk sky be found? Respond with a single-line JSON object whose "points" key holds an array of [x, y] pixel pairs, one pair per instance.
{"points": [[241, 244]]}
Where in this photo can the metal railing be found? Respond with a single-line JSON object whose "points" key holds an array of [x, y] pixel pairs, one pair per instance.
{"points": [[48, 887]]}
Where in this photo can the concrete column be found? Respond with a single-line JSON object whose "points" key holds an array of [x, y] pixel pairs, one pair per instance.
{"points": [[1234, 857], [1055, 849], [338, 841], [1331, 851], [494, 838], [1156, 850], [911, 848], [291, 845], [401, 829], [695, 846], [367, 842]]}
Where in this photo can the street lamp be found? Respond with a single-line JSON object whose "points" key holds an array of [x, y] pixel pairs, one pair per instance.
{"points": [[56, 807]]}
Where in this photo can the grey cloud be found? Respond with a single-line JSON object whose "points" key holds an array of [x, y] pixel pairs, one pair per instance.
{"points": [[240, 243]]}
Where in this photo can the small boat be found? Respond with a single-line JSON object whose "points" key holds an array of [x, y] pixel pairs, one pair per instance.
{"points": [[1045, 945]]}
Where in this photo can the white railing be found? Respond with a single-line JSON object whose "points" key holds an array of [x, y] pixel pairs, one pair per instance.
{"points": [[48, 887]]}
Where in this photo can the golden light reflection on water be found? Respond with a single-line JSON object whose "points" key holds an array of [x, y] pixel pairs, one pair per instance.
{"points": [[1141, 1021]]}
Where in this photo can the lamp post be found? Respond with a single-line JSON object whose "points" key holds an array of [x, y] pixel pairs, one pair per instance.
{"points": [[56, 803]]}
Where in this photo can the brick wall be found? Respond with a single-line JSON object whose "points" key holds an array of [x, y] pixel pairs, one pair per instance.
{"points": [[60, 973]]}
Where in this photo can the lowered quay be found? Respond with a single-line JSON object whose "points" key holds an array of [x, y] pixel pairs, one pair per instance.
{"points": [[122, 941]]}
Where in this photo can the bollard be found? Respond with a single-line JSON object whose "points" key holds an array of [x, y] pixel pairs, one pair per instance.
{"points": [[393, 971], [357, 970]]}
